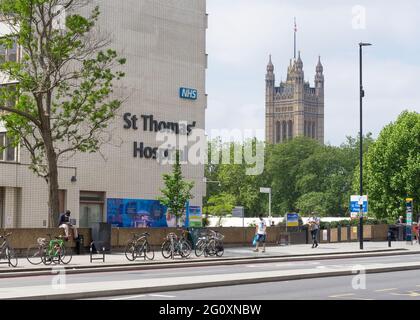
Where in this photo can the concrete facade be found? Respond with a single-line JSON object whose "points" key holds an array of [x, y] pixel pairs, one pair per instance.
{"points": [[294, 108], [164, 42]]}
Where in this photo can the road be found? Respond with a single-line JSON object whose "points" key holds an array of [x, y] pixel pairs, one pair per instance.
{"points": [[323, 288], [383, 286], [208, 270]]}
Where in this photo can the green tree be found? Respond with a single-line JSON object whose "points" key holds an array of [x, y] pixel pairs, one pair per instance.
{"points": [[59, 101], [220, 205], [312, 202], [283, 168], [177, 191], [233, 177], [393, 167]]}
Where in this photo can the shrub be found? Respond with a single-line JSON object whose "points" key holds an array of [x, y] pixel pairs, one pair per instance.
{"points": [[334, 224], [324, 225], [344, 223]]}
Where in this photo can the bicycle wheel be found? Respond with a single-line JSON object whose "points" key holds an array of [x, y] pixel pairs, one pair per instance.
{"points": [[11, 256], [148, 251], [34, 255], [130, 251], [65, 255], [167, 249], [220, 249], [211, 248], [184, 249], [200, 246], [47, 257]]}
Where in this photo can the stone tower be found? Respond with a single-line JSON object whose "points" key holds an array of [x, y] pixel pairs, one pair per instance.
{"points": [[294, 108]]}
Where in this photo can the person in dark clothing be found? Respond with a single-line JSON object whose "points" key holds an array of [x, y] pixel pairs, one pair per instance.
{"points": [[65, 224], [313, 223]]}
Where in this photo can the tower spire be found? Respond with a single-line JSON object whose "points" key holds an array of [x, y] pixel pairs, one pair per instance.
{"points": [[295, 29]]}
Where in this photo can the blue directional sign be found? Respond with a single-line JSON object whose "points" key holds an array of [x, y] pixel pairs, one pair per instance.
{"points": [[355, 205], [188, 93]]}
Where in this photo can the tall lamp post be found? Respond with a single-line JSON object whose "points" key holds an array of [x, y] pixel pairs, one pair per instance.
{"points": [[362, 95], [268, 190]]}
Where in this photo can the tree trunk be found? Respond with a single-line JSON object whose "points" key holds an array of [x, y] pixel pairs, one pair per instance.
{"points": [[53, 200]]}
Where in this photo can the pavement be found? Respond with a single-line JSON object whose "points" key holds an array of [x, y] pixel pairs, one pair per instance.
{"points": [[236, 253]]}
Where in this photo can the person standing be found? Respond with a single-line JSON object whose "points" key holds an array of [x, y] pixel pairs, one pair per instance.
{"points": [[261, 233], [314, 222], [65, 224]]}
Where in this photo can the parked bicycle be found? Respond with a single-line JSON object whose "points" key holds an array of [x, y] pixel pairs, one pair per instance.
{"points": [[210, 244], [47, 252], [175, 245], [139, 247], [7, 252]]}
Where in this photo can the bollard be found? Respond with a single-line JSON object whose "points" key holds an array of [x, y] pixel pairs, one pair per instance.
{"points": [[389, 239]]}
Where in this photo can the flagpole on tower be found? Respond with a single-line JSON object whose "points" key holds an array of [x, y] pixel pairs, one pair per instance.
{"points": [[295, 39]]}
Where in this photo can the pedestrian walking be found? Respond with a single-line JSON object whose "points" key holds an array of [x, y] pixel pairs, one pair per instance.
{"points": [[313, 223], [261, 233]]}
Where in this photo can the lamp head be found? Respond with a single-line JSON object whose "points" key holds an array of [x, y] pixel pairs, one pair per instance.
{"points": [[363, 44]]}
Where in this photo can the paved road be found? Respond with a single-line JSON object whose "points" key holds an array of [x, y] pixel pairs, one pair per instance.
{"points": [[384, 286], [103, 277]]}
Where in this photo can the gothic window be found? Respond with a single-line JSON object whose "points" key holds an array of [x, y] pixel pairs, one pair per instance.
{"points": [[284, 133], [278, 133], [290, 134]]}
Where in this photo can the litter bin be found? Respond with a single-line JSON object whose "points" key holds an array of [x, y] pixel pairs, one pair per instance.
{"points": [[101, 235]]}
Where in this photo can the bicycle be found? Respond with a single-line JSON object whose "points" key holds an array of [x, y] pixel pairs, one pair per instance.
{"points": [[53, 251], [215, 245], [173, 245], [139, 247], [201, 245], [6, 252]]}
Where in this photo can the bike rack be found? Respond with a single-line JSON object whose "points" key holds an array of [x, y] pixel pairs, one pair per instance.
{"points": [[91, 253]]}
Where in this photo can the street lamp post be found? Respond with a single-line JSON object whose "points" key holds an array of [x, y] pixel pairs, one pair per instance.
{"points": [[268, 190], [362, 95]]}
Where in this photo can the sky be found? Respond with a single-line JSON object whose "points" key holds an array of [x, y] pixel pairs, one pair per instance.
{"points": [[242, 34]]}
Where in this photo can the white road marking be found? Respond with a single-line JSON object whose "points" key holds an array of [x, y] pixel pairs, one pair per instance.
{"points": [[342, 295], [161, 296], [131, 297], [384, 290]]}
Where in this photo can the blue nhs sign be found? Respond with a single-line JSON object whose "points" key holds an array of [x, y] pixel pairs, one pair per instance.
{"points": [[186, 93]]}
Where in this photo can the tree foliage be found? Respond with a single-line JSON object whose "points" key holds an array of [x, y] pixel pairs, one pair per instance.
{"points": [[393, 167], [177, 191], [303, 174], [220, 205], [59, 103]]}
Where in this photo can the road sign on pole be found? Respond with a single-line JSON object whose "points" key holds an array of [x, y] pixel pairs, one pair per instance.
{"points": [[355, 205], [409, 219]]}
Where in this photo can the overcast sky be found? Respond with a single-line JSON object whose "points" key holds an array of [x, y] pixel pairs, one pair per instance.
{"points": [[242, 33]]}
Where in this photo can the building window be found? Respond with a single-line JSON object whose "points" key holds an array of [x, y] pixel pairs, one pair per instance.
{"points": [[8, 153], [9, 54]]}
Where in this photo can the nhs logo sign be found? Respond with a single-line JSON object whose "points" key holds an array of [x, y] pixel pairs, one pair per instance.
{"points": [[186, 93]]}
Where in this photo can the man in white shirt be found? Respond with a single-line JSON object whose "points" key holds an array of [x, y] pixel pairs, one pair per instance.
{"points": [[314, 222], [261, 233]]}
